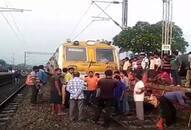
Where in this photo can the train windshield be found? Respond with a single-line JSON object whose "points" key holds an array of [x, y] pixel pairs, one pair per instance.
{"points": [[104, 55], [76, 54]]}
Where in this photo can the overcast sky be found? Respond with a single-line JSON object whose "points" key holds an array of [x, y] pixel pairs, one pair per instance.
{"points": [[51, 22]]}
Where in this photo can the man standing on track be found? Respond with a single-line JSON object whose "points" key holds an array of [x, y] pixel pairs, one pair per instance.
{"points": [[91, 88], [107, 86], [75, 87], [34, 87], [67, 78]]}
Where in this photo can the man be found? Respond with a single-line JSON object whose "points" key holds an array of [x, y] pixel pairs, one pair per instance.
{"points": [[34, 85], [139, 96], [69, 74], [167, 109], [67, 78], [43, 77], [175, 71], [91, 87], [56, 92], [107, 86], [127, 64], [75, 87]]}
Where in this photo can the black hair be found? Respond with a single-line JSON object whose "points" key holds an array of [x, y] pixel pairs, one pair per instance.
{"points": [[91, 72], [70, 68], [149, 91], [41, 66], [116, 72], [188, 94], [76, 74], [124, 72], [139, 76], [117, 77], [108, 72], [64, 70], [97, 74], [35, 68], [57, 69]]}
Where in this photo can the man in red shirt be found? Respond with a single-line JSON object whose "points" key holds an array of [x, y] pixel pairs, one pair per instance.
{"points": [[91, 87]]}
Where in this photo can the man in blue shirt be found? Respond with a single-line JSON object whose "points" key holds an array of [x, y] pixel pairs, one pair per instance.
{"points": [[119, 94]]}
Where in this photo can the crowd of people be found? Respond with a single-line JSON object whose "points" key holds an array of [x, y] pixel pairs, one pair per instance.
{"points": [[68, 89]]}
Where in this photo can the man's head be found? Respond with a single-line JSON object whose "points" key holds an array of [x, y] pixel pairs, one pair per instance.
{"points": [[76, 74], [123, 73], [116, 72], [91, 73], [35, 68], [71, 70], [97, 75], [41, 67], [65, 70], [58, 71], [117, 77], [108, 73]]}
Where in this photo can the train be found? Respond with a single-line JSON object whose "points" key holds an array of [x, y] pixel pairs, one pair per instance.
{"points": [[85, 56]]}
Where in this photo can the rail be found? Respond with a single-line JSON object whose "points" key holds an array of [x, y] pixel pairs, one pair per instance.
{"points": [[8, 99]]}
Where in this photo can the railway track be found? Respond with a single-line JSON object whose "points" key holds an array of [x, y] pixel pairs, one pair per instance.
{"points": [[9, 106]]}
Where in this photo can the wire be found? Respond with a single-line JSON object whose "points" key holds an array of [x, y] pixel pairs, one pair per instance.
{"points": [[90, 22], [15, 24], [83, 29], [80, 20], [11, 27], [107, 15]]}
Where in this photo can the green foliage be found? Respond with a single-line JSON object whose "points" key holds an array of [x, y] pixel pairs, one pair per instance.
{"points": [[148, 37]]}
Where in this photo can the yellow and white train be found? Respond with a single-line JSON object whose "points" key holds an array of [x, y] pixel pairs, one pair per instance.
{"points": [[86, 56]]}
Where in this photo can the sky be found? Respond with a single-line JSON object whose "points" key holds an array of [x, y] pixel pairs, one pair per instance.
{"points": [[51, 22]]}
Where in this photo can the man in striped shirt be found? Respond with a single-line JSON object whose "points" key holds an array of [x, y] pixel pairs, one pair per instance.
{"points": [[75, 87]]}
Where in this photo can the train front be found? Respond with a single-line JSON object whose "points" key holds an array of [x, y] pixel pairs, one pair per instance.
{"points": [[88, 56]]}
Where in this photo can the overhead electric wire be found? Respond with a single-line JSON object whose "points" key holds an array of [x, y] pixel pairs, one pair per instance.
{"points": [[90, 23], [11, 27], [107, 14], [81, 18], [15, 24]]}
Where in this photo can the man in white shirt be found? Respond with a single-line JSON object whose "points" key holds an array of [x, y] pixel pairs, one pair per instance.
{"points": [[157, 62], [139, 96]]}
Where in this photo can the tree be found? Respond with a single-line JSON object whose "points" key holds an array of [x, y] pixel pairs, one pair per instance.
{"points": [[2, 62], [148, 37]]}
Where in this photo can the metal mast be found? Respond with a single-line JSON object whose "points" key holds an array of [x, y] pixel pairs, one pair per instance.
{"points": [[167, 26], [125, 14]]}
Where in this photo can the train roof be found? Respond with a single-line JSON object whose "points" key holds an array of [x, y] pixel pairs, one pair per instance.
{"points": [[104, 44]]}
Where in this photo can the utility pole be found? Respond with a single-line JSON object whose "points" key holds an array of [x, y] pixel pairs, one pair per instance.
{"points": [[25, 58], [167, 27], [124, 14]]}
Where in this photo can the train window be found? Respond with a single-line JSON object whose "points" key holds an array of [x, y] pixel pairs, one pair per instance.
{"points": [[104, 55], [76, 54]]}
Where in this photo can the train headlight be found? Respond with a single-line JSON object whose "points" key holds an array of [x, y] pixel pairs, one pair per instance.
{"points": [[76, 43]]}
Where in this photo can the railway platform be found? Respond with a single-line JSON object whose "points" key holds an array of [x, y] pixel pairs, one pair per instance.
{"points": [[39, 117]]}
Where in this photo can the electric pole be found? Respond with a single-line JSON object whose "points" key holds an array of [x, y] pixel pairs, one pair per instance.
{"points": [[124, 14], [167, 26]]}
